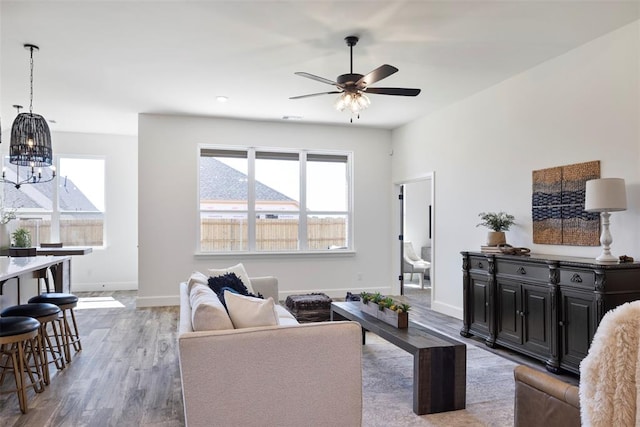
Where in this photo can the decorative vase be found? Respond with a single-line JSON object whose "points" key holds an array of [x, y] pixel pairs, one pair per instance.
{"points": [[495, 238]]}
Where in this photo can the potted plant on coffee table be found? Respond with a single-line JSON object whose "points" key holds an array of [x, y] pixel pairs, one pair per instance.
{"points": [[498, 223]]}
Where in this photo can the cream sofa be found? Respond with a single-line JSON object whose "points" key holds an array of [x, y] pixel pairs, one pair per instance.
{"points": [[294, 375]]}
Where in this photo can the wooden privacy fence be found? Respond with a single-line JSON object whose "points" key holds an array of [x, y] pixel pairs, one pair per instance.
{"points": [[230, 234], [73, 232]]}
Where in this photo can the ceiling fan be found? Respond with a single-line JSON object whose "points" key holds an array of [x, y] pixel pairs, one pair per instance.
{"points": [[353, 87]]}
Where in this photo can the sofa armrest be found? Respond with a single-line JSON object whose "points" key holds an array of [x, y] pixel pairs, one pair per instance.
{"points": [[267, 286], [541, 399], [309, 374]]}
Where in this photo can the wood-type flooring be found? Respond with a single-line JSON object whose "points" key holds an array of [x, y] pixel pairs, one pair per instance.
{"points": [[128, 375]]}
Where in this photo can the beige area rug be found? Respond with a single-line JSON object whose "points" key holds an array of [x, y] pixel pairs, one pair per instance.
{"points": [[388, 389]]}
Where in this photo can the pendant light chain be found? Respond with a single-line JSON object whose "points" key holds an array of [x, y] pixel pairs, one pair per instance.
{"points": [[31, 82]]}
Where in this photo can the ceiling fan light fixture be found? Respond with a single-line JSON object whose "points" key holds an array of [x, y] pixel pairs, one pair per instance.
{"points": [[351, 86], [353, 102]]}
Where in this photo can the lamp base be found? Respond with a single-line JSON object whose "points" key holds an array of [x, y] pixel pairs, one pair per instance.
{"points": [[607, 257]]}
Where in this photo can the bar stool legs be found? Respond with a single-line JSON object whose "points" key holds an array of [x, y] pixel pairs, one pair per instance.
{"points": [[17, 336], [71, 335], [47, 314], [66, 303]]}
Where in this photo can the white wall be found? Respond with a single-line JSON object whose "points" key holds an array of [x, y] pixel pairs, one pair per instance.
{"points": [[168, 206], [114, 267], [581, 106]]}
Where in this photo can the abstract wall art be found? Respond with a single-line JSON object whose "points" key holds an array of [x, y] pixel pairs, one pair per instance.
{"points": [[557, 206]]}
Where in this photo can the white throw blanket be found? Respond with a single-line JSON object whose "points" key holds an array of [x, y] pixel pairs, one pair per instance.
{"points": [[608, 389]]}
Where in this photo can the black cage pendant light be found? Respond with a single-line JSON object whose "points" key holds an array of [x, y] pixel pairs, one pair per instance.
{"points": [[30, 141]]}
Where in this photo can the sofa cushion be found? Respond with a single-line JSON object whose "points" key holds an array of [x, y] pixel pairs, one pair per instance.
{"points": [[195, 278], [249, 312], [238, 270], [207, 312], [229, 282]]}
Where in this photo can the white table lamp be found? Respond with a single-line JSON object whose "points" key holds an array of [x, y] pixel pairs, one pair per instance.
{"points": [[605, 195]]}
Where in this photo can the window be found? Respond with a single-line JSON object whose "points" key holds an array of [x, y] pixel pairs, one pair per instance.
{"points": [[70, 209], [261, 200]]}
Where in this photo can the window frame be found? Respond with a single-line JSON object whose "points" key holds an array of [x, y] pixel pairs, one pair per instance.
{"points": [[56, 213], [303, 212]]}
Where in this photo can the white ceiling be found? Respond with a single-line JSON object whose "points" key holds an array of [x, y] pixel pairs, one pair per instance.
{"points": [[102, 62]]}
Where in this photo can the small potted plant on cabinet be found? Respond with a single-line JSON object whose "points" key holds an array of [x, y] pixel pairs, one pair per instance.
{"points": [[21, 243], [498, 223]]}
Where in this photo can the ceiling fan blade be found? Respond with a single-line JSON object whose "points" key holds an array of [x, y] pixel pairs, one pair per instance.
{"points": [[315, 94], [376, 75], [393, 91], [314, 77]]}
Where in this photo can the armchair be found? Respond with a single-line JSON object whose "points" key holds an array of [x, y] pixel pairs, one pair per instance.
{"points": [[414, 264], [544, 400]]}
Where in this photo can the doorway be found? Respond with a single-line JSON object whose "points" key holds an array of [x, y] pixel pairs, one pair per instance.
{"points": [[416, 248]]}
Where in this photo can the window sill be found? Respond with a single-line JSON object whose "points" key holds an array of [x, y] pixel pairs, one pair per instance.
{"points": [[296, 254]]}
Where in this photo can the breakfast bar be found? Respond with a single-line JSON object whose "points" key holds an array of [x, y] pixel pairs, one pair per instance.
{"points": [[32, 267]]}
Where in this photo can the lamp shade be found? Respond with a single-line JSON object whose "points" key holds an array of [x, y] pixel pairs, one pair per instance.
{"points": [[605, 195], [30, 141]]}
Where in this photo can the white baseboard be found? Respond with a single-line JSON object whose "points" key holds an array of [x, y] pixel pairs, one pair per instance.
{"points": [[164, 301], [447, 309], [334, 293], [93, 287]]}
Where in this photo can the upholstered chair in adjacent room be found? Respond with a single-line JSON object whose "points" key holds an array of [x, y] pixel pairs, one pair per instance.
{"points": [[414, 264]]}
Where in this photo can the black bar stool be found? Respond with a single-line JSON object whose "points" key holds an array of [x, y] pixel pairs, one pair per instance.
{"points": [[66, 302], [16, 334], [47, 314]]}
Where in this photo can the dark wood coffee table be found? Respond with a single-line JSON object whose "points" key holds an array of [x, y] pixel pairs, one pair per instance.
{"points": [[439, 362]]}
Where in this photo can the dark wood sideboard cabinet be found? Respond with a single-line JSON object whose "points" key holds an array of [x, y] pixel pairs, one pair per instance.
{"points": [[545, 306]]}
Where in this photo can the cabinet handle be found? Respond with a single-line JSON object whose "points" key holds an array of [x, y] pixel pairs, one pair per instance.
{"points": [[561, 323], [486, 304], [521, 270], [576, 278], [480, 265], [522, 314]]}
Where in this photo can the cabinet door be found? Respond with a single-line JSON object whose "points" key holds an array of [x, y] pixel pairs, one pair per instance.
{"points": [[480, 307], [509, 320], [577, 326], [536, 314]]}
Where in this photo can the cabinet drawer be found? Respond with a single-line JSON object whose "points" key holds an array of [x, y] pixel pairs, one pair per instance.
{"points": [[523, 270], [579, 278], [479, 264]]}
